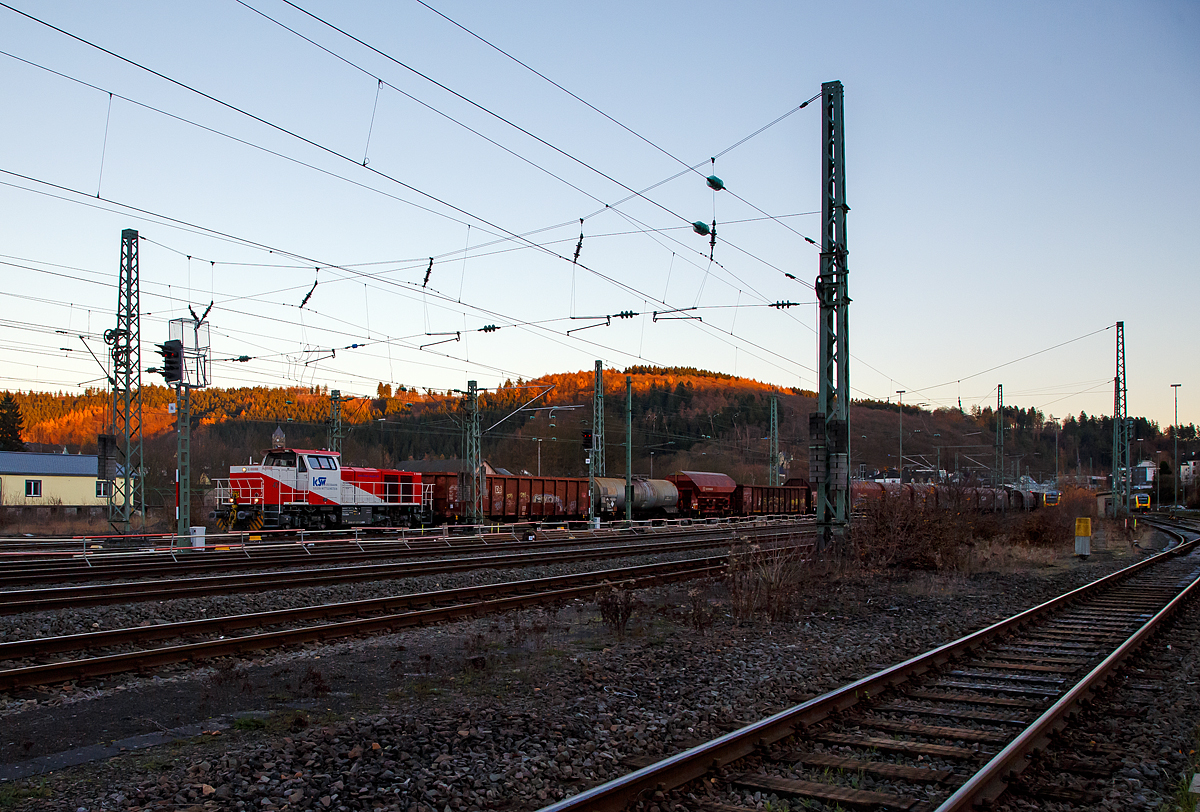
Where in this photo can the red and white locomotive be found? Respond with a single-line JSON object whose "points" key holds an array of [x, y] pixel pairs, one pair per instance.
{"points": [[310, 489]]}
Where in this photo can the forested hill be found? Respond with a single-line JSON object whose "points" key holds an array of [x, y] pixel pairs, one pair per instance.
{"points": [[683, 419]]}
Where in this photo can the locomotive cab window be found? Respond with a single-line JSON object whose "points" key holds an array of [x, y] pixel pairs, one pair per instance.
{"points": [[322, 463], [286, 459]]}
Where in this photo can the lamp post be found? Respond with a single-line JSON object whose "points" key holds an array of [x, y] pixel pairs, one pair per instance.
{"points": [[539, 442], [900, 461], [1157, 481], [1175, 430]]}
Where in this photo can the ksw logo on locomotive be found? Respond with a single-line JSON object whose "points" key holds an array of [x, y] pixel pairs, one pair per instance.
{"points": [[318, 481]]}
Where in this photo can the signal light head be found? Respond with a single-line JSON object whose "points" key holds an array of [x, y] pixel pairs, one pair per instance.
{"points": [[172, 355]]}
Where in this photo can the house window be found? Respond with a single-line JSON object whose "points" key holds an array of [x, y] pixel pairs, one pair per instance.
{"points": [[103, 488], [33, 487]]}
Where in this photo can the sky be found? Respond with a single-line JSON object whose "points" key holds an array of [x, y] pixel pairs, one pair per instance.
{"points": [[1021, 176]]}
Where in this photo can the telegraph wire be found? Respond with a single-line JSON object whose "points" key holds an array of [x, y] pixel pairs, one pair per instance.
{"points": [[511, 237], [1018, 360], [627, 129], [302, 138], [333, 152], [175, 222], [633, 192]]}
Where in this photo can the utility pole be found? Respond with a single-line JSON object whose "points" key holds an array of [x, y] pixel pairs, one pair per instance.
{"points": [[629, 448], [773, 474], [1175, 470], [474, 461], [598, 421], [1121, 478], [829, 427], [1000, 432], [127, 496], [900, 467]]}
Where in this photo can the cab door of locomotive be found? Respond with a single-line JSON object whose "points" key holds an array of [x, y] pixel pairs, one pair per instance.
{"points": [[324, 479]]}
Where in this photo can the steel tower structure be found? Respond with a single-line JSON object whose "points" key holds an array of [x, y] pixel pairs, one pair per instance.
{"points": [[474, 455], [336, 432], [127, 496], [773, 474], [598, 422], [829, 425], [998, 474], [1122, 481]]}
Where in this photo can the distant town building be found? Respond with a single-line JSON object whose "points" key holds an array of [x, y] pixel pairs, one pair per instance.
{"points": [[1143, 474], [1188, 471], [64, 482]]}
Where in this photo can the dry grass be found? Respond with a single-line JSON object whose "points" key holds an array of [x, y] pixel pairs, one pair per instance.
{"points": [[1003, 555], [69, 526], [896, 534]]}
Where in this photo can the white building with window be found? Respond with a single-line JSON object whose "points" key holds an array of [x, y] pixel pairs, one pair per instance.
{"points": [[50, 480]]}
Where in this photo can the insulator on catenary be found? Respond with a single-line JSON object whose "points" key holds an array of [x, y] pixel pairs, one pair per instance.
{"points": [[715, 183], [428, 271], [701, 228]]}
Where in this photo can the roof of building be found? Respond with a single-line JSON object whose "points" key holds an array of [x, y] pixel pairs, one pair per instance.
{"points": [[29, 462]]}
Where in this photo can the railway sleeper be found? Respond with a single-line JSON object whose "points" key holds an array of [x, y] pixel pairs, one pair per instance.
{"points": [[887, 769], [909, 747], [824, 792], [961, 734], [1021, 720]]}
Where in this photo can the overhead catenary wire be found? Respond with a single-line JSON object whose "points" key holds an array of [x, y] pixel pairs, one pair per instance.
{"points": [[257, 118]]}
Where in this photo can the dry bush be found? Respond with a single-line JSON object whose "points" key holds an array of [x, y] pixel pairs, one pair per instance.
{"points": [[1050, 526], [701, 613], [767, 580], [894, 532], [616, 607], [740, 582]]}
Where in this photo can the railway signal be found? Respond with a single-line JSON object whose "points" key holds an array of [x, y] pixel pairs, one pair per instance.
{"points": [[172, 355]]}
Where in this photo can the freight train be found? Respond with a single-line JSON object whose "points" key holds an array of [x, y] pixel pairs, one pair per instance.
{"points": [[311, 489], [946, 496]]}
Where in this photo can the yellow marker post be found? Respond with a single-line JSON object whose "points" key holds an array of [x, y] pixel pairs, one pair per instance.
{"points": [[1083, 537]]}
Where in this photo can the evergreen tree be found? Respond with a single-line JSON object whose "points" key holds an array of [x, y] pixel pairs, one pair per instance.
{"points": [[11, 425]]}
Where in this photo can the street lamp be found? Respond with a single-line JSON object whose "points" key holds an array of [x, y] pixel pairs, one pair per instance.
{"points": [[1175, 427]]}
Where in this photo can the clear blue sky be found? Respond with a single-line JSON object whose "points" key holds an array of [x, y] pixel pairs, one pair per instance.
{"points": [[1019, 174]]}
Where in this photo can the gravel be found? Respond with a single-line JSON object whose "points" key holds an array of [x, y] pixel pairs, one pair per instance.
{"points": [[509, 712]]}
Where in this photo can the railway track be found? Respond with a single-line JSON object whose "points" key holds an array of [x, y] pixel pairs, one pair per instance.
{"points": [[946, 730], [16, 572], [68, 597], [366, 617]]}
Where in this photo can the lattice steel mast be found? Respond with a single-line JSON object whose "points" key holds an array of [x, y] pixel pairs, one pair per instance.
{"points": [[998, 474], [829, 425], [598, 422], [773, 474], [1121, 431], [477, 482], [127, 496], [336, 432]]}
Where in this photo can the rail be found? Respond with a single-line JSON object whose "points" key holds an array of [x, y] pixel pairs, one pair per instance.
{"points": [[694, 763]]}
